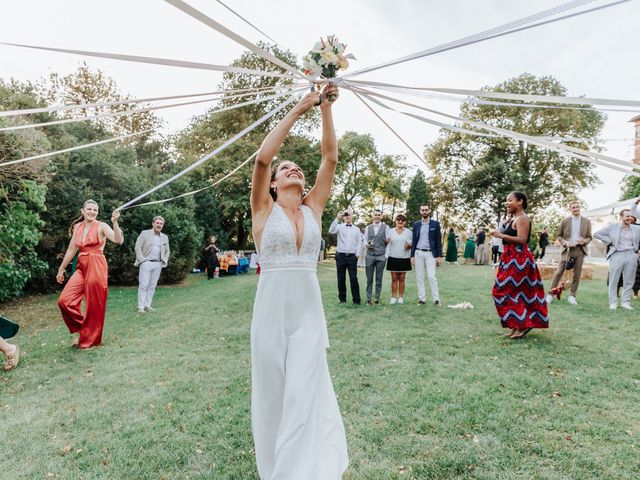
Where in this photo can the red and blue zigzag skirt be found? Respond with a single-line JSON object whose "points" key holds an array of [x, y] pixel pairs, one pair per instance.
{"points": [[518, 291]]}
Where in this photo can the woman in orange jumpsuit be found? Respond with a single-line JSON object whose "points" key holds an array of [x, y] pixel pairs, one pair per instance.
{"points": [[90, 278]]}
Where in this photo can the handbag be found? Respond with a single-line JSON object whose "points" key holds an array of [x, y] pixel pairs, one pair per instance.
{"points": [[8, 329], [571, 262]]}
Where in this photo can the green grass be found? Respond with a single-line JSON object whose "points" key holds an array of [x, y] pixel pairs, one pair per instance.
{"points": [[425, 393]]}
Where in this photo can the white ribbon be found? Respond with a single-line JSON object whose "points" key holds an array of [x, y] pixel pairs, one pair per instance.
{"points": [[155, 61], [142, 110], [499, 31], [474, 100], [249, 23], [73, 149], [564, 149], [198, 15], [78, 106], [389, 127], [193, 192], [512, 96], [212, 154]]}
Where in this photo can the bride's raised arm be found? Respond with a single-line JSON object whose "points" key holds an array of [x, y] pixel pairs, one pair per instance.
{"points": [[319, 194], [260, 198]]}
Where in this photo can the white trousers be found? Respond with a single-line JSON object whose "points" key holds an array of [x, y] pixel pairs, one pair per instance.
{"points": [[625, 264], [148, 276], [425, 261]]}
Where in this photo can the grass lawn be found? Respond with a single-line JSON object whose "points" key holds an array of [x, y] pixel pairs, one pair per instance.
{"points": [[425, 392]]}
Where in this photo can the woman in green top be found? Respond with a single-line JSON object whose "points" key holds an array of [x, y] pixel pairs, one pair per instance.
{"points": [[452, 248], [470, 247]]}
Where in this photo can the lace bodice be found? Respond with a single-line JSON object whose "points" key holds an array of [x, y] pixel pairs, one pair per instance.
{"points": [[278, 246]]}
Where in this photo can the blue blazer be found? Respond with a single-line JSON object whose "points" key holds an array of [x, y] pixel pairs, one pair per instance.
{"points": [[435, 237]]}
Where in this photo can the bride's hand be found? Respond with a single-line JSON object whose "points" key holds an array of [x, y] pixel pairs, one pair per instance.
{"points": [[307, 102], [330, 94]]}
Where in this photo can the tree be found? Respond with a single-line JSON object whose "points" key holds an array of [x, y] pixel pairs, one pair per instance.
{"points": [[473, 175], [418, 194], [630, 188], [84, 86], [22, 195]]}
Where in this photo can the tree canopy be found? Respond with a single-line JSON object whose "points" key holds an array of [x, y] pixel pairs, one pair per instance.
{"points": [[473, 174]]}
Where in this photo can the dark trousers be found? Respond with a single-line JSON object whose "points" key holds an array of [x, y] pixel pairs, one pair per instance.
{"points": [[543, 250], [347, 262], [495, 253]]}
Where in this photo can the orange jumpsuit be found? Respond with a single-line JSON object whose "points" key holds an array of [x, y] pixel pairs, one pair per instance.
{"points": [[88, 281]]}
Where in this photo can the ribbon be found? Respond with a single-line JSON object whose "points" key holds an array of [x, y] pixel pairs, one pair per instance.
{"points": [[499, 31], [208, 21], [193, 192], [564, 149], [249, 23], [141, 110], [513, 96], [73, 149], [414, 91], [57, 108], [155, 61], [389, 127], [212, 154]]}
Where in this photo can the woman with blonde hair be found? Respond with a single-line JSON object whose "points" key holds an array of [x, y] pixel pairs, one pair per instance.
{"points": [[90, 280]]}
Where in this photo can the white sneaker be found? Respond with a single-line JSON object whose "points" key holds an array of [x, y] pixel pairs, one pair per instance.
{"points": [[613, 306], [141, 310], [549, 299], [572, 300], [150, 309], [392, 301], [626, 306], [400, 299]]}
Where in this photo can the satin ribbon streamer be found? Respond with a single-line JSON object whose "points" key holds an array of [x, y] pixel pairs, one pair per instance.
{"points": [[141, 110], [564, 149], [155, 61], [193, 192], [196, 164], [73, 149], [78, 106], [198, 15]]}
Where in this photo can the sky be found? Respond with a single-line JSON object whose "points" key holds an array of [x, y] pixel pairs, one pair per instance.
{"points": [[592, 55]]}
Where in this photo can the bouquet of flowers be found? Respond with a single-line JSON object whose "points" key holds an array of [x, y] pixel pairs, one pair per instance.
{"points": [[326, 58]]}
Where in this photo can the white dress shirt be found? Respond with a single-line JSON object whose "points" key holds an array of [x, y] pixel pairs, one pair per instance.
{"points": [[349, 238], [575, 228]]}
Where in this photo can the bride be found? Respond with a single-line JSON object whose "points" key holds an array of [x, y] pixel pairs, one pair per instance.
{"points": [[297, 427]]}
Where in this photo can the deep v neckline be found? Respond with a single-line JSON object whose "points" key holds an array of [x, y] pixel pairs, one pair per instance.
{"points": [[85, 234], [293, 228]]}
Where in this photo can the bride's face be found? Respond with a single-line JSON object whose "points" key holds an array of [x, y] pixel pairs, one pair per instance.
{"points": [[288, 174]]}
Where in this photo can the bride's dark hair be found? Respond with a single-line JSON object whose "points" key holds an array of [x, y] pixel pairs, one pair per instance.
{"points": [[272, 190]]}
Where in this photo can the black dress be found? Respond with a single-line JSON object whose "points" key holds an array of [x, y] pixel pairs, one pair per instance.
{"points": [[211, 259]]}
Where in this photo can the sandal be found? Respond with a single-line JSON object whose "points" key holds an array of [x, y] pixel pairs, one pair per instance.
{"points": [[11, 361], [520, 334], [509, 334]]}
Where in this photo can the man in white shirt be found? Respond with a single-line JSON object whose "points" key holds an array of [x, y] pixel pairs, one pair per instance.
{"points": [[624, 241], [152, 255], [574, 235], [349, 243]]}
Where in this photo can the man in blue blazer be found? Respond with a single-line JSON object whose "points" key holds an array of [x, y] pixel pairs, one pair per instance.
{"points": [[426, 253]]}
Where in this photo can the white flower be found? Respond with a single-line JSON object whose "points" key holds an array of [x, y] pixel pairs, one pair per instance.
{"points": [[318, 47], [328, 57]]}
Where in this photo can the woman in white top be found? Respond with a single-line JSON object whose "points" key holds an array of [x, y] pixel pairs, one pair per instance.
{"points": [[398, 253], [297, 427]]}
